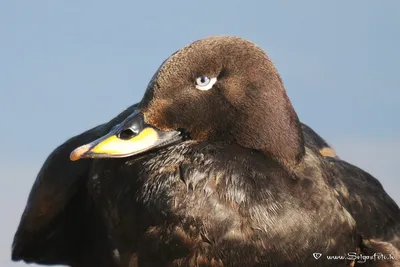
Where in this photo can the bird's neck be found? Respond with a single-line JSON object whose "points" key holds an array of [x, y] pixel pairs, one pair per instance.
{"points": [[273, 127]]}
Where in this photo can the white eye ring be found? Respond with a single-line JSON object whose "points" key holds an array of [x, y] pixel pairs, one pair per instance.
{"points": [[204, 83]]}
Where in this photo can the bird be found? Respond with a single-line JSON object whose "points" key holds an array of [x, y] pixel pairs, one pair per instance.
{"points": [[60, 224], [56, 173], [212, 170]]}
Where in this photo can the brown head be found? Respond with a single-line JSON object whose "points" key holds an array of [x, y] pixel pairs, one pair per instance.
{"points": [[216, 89]]}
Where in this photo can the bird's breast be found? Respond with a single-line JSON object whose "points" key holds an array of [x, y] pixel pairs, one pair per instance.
{"points": [[203, 206]]}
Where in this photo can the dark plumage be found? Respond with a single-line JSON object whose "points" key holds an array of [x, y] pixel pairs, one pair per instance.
{"points": [[245, 187], [241, 188], [317, 143], [377, 216], [60, 224]]}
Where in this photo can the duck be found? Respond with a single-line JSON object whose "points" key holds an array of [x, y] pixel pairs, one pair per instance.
{"points": [[68, 172], [212, 170], [60, 224]]}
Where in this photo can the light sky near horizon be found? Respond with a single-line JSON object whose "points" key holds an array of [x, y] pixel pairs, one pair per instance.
{"points": [[68, 66]]}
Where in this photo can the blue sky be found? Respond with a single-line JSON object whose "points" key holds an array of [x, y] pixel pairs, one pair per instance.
{"points": [[68, 65]]}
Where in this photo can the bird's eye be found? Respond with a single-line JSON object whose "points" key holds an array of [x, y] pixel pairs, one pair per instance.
{"points": [[204, 83]]}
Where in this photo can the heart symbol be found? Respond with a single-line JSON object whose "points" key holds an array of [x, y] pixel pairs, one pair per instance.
{"points": [[317, 255]]}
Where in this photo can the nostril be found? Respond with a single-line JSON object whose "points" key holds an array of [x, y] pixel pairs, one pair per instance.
{"points": [[127, 134]]}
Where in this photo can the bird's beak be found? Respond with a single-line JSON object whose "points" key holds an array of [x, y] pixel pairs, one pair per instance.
{"points": [[133, 136]]}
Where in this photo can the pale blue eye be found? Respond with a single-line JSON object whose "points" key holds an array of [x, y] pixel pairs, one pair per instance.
{"points": [[204, 83]]}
